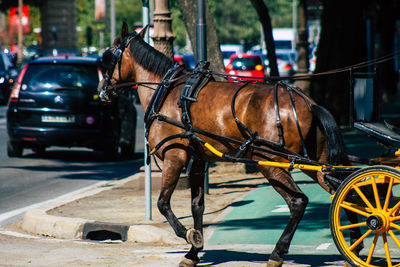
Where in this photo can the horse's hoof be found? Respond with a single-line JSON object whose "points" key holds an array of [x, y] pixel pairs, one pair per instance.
{"points": [[272, 263], [188, 263], [346, 264], [195, 238]]}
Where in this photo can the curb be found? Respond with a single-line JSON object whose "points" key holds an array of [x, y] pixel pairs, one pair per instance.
{"points": [[38, 222]]}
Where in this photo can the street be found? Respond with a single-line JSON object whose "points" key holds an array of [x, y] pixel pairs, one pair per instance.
{"points": [[35, 178]]}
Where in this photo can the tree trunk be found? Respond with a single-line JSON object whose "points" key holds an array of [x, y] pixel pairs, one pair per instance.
{"points": [[303, 64], [214, 56], [342, 44], [263, 14]]}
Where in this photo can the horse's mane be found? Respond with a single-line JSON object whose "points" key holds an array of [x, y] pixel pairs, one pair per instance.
{"points": [[148, 57]]}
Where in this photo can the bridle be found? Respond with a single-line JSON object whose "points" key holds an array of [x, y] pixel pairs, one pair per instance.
{"points": [[115, 57]]}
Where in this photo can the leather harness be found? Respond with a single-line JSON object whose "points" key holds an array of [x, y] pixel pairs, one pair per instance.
{"points": [[199, 77]]}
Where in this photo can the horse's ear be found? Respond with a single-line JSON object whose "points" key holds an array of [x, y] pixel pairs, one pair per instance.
{"points": [[124, 30], [142, 33]]}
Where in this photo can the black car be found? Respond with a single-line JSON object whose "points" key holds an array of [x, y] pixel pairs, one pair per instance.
{"points": [[8, 74], [54, 102]]}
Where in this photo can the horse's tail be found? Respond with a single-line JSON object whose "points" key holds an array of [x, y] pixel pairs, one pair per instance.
{"points": [[336, 152]]}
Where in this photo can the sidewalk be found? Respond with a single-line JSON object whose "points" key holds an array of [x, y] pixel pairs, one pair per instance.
{"points": [[116, 210]]}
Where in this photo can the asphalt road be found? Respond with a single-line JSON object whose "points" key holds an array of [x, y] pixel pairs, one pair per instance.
{"points": [[34, 178]]}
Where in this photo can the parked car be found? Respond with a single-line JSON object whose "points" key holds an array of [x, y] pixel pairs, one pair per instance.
{"points": [[185, 59], [228, 50], [286, 61], [249, 65], [54, 102], [8, 74]]}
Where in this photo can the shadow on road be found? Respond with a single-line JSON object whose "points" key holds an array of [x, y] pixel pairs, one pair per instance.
{"points": [[77, 164], [219, 256]]}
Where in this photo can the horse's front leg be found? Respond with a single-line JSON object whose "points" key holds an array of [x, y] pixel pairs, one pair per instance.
{"points": [[195, 236], [174, 160]]}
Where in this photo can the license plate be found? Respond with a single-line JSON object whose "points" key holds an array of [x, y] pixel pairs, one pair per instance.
{"points": [[245, 73], [58, 119]]}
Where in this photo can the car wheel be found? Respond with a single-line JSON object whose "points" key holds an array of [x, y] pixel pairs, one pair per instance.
{"points": [[128, 150], [111, 149], [14, 149]]}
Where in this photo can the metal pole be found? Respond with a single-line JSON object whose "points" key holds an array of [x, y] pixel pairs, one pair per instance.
{"points": [[20, 33], [201, 55], [201, 41], [294, 23], [146, 19], [112, 21], [147, 167]]}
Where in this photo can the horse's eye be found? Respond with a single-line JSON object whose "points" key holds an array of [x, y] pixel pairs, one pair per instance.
{"points": [[107, 57]]}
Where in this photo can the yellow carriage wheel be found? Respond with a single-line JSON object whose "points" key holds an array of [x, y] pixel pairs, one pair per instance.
{"points": [[372, 196]]}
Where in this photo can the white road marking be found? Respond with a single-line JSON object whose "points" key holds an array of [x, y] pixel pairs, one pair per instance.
{"points": [[12, 213], [281, 208], [323, 246]]}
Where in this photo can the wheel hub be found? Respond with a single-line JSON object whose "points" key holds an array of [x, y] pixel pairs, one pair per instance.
{"points": [[374, 222], [378, 222]]}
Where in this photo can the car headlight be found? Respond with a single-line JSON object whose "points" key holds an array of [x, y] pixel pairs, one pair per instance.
{"points": [[2, 79]]}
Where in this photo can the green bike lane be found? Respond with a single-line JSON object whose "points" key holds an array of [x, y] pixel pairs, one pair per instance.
{"points": [[254, 224], [260, 217]]}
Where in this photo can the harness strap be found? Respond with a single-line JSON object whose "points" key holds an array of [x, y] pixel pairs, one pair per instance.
{"points": [[297, 123], [246, 132], [198, 78], [243, 128], [278, 116], [159, 95]]}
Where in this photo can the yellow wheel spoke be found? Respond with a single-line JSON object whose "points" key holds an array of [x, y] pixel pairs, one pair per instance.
{"points": [[386, 245], [395, 219], [361, 194], [394, 238], [389, 192], [360, 240], [395, 208], [371, 250], [376, 194], [352, 225], [355, 208], [395, 226]]}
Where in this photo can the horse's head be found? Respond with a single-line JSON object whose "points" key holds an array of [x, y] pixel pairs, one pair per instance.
{"points": [[115, 71]]}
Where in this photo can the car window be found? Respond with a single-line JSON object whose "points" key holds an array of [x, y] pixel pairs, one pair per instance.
{"points": [[284, 57], [283, 44], [45, 77], [245, 63]]}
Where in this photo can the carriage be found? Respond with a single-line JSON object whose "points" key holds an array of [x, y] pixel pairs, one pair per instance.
{"points": [[191, 118]]}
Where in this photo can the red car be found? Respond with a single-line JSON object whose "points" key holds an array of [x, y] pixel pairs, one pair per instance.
{"points": [[248, 65]]}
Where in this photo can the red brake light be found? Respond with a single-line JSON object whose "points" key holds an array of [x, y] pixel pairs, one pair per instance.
{"points": [[287, 67], [17, 86], [229, 67]]}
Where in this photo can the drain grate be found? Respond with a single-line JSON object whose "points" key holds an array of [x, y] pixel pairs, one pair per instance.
{"points": [[104, 231]]}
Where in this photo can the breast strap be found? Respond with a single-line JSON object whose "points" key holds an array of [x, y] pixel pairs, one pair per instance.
{"points": [[160, 95]]}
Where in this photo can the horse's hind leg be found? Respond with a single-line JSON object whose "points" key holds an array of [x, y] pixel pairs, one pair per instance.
{"points": [[195, 236], [297, 201]]}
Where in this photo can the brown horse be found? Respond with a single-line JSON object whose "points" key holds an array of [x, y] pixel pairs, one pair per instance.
{"points": [[131, 59]]}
